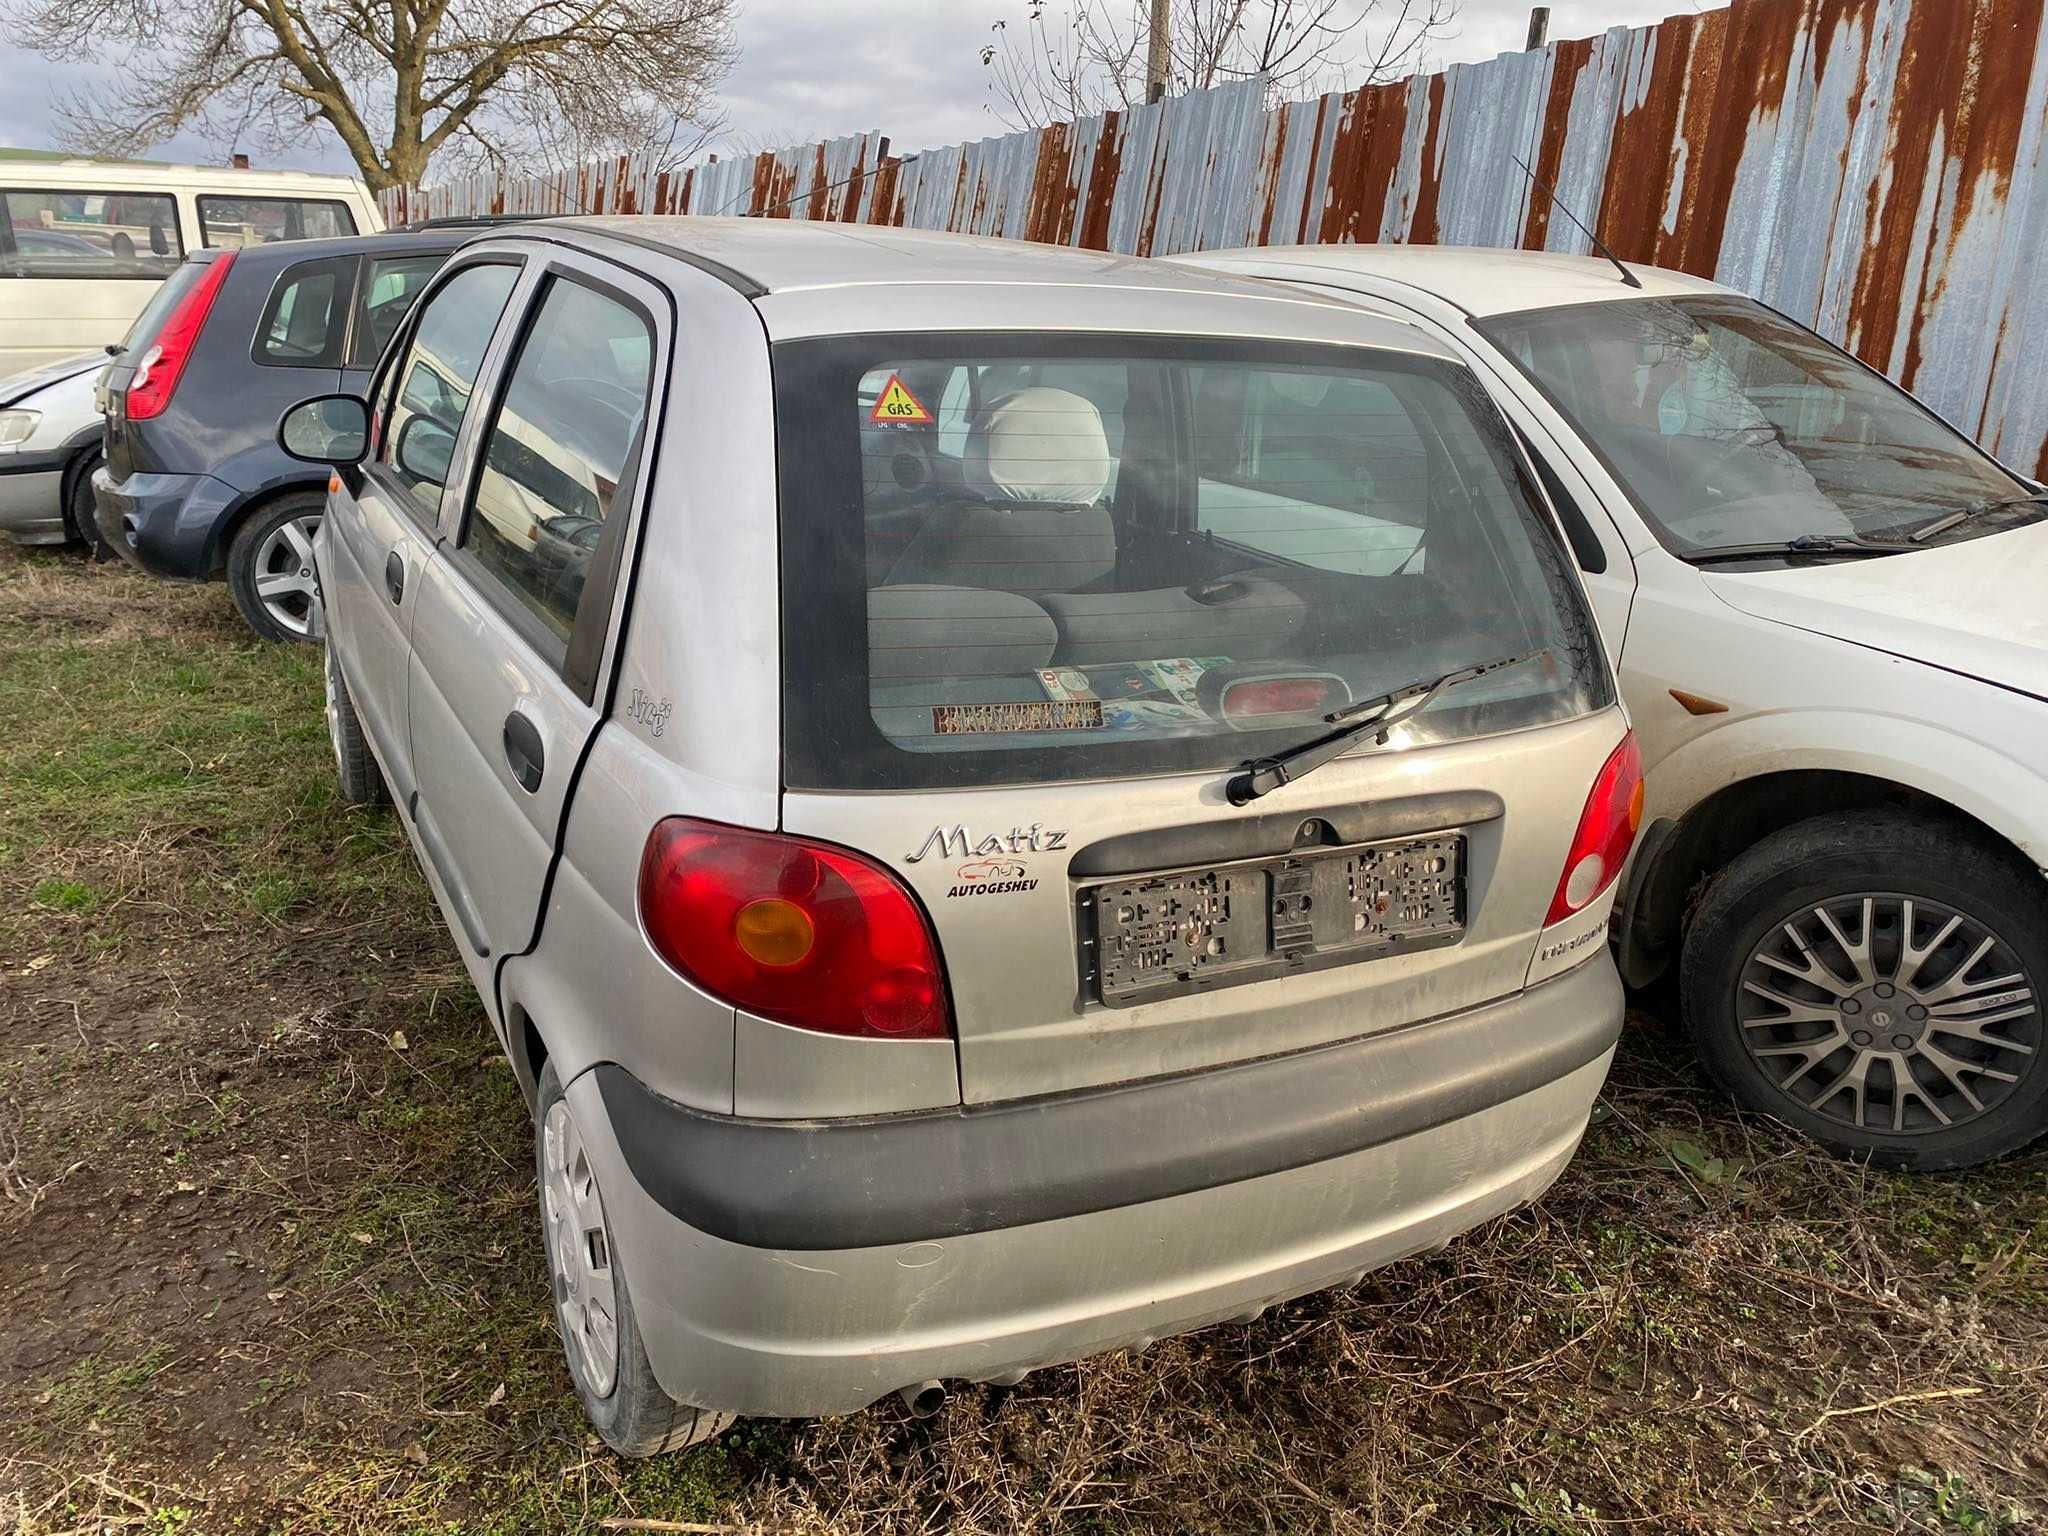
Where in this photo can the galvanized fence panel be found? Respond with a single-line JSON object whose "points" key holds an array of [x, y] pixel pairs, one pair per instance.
{"points": [[1871, 167]]}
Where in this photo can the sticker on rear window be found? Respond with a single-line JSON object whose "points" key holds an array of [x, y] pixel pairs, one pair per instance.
{"points": [[897, 403], [984, 719]]}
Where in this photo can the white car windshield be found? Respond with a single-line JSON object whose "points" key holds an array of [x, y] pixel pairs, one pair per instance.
{"points": [[1728, 425]]}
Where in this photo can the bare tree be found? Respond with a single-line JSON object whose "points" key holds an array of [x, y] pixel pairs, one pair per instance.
{"points": [[398, 81], [1074, 58]]}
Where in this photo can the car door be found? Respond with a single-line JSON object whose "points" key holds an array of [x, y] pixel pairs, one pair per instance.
{"points": [[382, 522], [514, 606]]}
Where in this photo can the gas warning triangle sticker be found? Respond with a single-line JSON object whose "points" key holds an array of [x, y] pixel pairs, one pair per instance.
{"points": [[897, 403]]}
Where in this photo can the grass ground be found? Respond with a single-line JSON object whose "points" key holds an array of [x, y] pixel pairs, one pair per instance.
{"points": [[268, 1249]]}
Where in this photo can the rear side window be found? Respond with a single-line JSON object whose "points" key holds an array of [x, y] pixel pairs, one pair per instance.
{"points": [[306, 316], [389, 289], [572, 408], [431, 385], [89, 234], [237, 221], [1017, 559]]}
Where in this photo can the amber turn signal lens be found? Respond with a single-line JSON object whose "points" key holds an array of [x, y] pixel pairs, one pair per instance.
{"points": [[772, 931]]}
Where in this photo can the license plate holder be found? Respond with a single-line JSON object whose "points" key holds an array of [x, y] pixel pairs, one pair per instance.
{"points": [[1152, 936]]}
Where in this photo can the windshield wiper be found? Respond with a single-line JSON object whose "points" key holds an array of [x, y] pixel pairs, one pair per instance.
{"points": [[1805, 544], [1961, 515], [1381, 713]]}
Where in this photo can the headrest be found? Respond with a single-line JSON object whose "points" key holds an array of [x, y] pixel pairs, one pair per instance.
{"points": [[1039, 445]]}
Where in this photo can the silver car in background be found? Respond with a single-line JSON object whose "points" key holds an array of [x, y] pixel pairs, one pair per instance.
{"points": [[1003, 802], [50, 443]]}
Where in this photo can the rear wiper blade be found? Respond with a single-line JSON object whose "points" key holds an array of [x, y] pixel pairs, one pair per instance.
{"points": [[1380, 713], [1949, 520], [1805, 544]]}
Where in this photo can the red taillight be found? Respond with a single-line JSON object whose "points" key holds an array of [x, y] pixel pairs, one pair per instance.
{"points": [[795, 931], [1277, 696], [1607, 827], [156, 375]]}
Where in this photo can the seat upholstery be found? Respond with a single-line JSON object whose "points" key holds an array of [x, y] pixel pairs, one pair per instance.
{"points": [[1032, 519]]}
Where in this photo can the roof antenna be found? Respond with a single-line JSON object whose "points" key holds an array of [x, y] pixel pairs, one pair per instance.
{"points": [[1598, 244]]}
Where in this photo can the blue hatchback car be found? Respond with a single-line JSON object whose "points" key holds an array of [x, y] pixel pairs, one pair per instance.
{"points": [[194, 486]]}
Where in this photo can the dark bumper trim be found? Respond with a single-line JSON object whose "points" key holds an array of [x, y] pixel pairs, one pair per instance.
{"points": [[945, 1173]]}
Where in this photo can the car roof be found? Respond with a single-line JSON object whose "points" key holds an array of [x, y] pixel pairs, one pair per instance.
{"points": [[1480, 280], [278, 253], [88, 174], [799, 273]]}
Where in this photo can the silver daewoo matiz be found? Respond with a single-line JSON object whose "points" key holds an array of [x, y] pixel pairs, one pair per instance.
{"points": [[1003, 802]]}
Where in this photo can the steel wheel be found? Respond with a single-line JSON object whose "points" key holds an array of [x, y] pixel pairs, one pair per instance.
{"points": [[579, 1251], [1888, 1013], [284, 573]]}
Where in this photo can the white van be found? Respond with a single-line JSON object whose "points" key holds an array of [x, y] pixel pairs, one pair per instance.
{"points": [[83, 243]]}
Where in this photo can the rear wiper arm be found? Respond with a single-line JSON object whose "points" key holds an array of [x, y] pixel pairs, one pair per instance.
{"points": [[1380, 714], [1949, 520], [1805, 544]]}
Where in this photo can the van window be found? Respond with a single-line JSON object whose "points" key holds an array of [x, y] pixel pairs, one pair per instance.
{"points": [[387, 296], [89, 234], [235, 221], [307, 313], [1018, 559]]}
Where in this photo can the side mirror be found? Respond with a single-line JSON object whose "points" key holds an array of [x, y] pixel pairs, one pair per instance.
{"points": [[425, 451], [327, 429]]}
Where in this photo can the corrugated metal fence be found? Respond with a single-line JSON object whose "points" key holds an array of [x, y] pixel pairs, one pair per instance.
{"points": [[1870, 167]]}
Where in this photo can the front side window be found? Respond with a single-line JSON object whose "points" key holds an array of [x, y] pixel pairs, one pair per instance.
{"points": [[238, 221], [307, 313], [89, 234], [432, 384], [1729, 425], [572, 407], [1013, 559], [389, 291]]}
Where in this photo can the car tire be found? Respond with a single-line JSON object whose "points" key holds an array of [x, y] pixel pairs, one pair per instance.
{"points": [[607, 1361], [361, 781], [270, 566], [1901, 961], [81, 516]]}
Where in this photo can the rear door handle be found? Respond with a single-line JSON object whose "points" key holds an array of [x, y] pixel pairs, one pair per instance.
{"points": [[524, 754], [394, 576]]}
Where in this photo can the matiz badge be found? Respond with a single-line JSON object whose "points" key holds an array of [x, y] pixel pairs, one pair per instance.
{"points": [[993, 866]]}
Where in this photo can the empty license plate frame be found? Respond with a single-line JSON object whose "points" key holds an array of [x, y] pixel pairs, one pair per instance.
{"points": [[1171, 933]]}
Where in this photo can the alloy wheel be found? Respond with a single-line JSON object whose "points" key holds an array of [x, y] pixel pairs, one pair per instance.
{"points": [[579, 1251], [284, 573], [1887, 1013]]}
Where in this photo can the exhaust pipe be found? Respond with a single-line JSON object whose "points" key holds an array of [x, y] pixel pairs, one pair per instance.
{"points": [[924, 1399]]}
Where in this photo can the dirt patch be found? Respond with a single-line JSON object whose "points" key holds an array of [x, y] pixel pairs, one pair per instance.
{"points": [[269, 1263]]}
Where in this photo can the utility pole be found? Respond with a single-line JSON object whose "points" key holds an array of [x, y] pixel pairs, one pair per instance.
{"points": [[1155, 53], [1539, 26]]}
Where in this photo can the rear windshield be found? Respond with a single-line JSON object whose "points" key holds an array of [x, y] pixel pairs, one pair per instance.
{"points": [[1017, 559], [183, 279]]}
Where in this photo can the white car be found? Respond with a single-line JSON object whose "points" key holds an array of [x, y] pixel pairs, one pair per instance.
{"points": [[50, 443], [1830, 614]]}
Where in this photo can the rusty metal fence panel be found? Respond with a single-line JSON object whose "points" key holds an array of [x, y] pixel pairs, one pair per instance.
{"points": [[1870, 167]]}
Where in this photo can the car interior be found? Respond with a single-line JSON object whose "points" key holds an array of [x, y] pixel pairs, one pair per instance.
{"points": [[1148, 536]]}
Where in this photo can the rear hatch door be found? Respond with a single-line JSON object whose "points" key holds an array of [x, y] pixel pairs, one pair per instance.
{"points": [[1043, 596]]}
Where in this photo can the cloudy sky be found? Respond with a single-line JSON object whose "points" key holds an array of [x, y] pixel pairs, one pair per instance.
{"points": [[810, 69]]}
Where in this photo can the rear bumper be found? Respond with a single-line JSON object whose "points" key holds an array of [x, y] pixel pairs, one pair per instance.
{"points": [[977, 1243], [32, 501], [163, 524]]}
